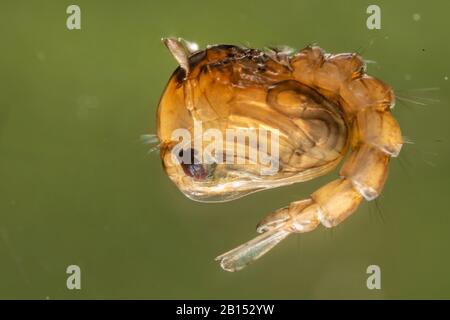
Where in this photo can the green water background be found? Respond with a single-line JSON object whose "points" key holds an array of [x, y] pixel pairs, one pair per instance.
{"points": [[78, 187]]}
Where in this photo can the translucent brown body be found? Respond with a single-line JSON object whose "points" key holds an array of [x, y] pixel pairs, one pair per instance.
{"points": [[322, 104]]}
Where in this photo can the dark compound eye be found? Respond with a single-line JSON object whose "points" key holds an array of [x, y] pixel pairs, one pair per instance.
{"points": [[196, 171], [190, 168]]}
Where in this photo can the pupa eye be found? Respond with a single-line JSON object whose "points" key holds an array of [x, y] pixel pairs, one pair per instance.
{"points": [[196, 171], [191, 165]]}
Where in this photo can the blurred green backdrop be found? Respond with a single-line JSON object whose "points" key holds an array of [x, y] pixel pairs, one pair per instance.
{"points": [[78, 187]]}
